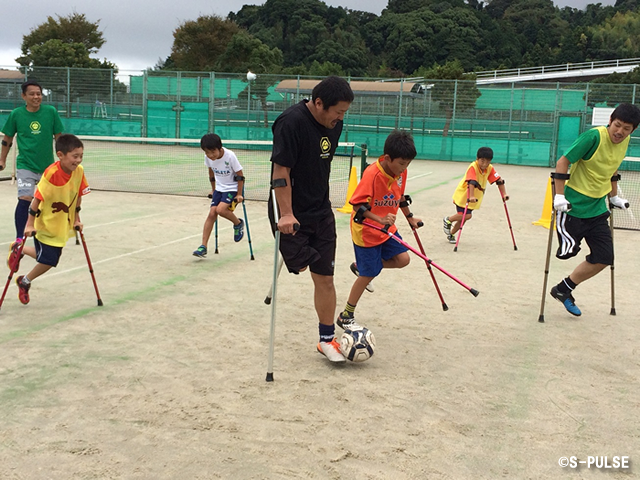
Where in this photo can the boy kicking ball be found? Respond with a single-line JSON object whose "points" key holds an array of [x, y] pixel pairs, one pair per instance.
{"points": [[378, 197], [54, 211], [227, 183]]}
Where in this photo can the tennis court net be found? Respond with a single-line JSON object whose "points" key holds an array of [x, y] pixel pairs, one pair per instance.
{"points": [[629, 189], [175, 166]]}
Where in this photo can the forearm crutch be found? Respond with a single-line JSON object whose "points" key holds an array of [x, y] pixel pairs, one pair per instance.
{"points": [[504, 202], [93, 277], [433, 277], [12, 271], [215, 228], [613, 289], [464, 216], [246, 224], [385, 230], [554, 175], [268, 298]]}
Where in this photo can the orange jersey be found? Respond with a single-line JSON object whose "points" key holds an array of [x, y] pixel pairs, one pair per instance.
{"points": [[58, 178], [384, 194]]}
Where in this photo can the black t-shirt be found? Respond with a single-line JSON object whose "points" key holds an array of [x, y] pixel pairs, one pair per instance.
{"points": [[306, 147]]}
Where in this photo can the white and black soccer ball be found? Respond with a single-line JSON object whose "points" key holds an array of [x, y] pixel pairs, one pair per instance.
{"points": [[357, 344]]}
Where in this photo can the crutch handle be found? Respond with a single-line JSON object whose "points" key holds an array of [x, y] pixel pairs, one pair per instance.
{"points": [[421, 224]]}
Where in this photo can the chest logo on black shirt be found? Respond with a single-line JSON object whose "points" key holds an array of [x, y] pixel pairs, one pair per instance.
{"points": [[325, 147]]}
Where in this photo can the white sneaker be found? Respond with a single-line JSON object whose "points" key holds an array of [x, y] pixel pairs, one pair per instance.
{"points": [[354, 269], [331, 350]]}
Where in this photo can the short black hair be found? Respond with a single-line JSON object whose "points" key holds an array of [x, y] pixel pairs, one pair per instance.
{"points": [[628, 113], [67, 142], [399, 144], [485, 152], [331, 91], [29, 83], [210, 141]]}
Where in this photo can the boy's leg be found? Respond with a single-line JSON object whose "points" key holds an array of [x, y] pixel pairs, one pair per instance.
{"points": [[208, 226], [397, 261], [238, 224]]}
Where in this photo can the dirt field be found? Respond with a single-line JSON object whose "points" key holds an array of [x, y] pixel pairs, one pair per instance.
{"points": [[167, 380]]}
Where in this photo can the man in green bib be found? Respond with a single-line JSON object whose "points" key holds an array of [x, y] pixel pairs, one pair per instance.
{"points": [[581, 201], [36, 126]]}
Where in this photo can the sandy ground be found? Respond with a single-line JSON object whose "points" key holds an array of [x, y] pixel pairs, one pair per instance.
{"points": [[167, 380]]}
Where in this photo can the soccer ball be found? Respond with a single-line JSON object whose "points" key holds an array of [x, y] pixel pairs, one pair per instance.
{"points": [[357, 344]]}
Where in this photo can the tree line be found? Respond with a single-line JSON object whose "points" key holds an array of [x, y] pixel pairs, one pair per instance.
{"points": [[422, 38]]}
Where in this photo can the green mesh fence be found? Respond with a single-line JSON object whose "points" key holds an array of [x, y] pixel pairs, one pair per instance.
{"points": [[525, 124]]}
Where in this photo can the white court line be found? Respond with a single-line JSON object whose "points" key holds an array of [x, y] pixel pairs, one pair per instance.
{"points": [[418, 176], [109, 223], [117, 257]]}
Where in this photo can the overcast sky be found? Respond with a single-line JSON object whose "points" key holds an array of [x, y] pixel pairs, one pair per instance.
{"points": [[140, 32]]}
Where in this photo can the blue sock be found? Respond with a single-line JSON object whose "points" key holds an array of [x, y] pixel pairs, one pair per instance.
{"points": [[21, 216], [327, 332]]}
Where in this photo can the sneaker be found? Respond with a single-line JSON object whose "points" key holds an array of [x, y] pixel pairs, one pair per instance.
{"points": [[446, 226], [567, 300], [346, 322], [451, 238], [354, 269], [201, 252], [238, 231], [331, 350], [23, 290], [13, 260]]}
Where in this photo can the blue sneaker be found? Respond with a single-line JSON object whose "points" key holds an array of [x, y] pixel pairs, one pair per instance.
{"points": [[238, 231], [201, 251], [567, 300]]}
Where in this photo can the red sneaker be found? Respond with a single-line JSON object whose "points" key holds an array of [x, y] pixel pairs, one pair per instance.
{"points": [[23, 290], [13, 260]]}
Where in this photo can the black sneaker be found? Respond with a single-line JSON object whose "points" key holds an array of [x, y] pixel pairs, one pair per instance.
{"points": [[567, 300], [346, 322], [354, 269]]}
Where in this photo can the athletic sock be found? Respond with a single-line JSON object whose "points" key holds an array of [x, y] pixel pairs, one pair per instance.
{"points": [[21, 216], [25, 280], [566, 286], [327, 332], [349, 310]]}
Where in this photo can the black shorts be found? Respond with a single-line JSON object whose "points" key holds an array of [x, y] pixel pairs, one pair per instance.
{"points": [[314, 245], [595, 231], [47, 254]]}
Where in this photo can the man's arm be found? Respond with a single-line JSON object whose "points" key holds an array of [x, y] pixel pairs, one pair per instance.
{"points": [[283, 197], [562, 166], [7, 141]]}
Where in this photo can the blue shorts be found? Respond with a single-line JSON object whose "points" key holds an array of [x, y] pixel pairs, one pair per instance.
{"points": [[224, 197], [369, 259], [47, 254]]}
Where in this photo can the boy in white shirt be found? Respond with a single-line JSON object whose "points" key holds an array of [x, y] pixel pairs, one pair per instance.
{"points": [[227, 183]]}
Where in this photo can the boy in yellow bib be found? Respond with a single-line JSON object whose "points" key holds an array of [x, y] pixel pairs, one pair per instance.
{"points": [[479, 173], [582, 209], [54, 210]]}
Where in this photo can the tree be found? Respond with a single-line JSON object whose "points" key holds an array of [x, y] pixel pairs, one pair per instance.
{"points": [[246, 53], [617, 37], [198, 44], [69, 42], [452, 87]]}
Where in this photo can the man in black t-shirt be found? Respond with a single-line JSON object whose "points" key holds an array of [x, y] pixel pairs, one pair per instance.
{"points": [[305, 138]]}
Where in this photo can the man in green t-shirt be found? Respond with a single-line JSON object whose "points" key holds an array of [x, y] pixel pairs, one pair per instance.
{"points": [[36, 127], [581, 204]]}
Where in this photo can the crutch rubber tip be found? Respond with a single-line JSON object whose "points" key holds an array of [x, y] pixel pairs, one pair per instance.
{"points": [[455, 249], [216, 251], [100, 304], [474, 292], [613, 311], [269, 377], [252, 257], [267, 300], [445, 307], [541, 319], [515, 248]]}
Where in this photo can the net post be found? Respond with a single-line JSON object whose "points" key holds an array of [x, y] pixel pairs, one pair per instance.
{"points": [[363, 158]]}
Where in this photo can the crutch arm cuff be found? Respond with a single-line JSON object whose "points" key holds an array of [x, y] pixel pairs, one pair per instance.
{"points": [[500, 182], [238, 178], [34, 213], [359, 216], [278, 182], [560, 176], [616, 177]]}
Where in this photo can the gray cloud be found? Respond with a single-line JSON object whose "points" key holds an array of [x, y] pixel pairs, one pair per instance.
{"points": [[140, 32]]}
